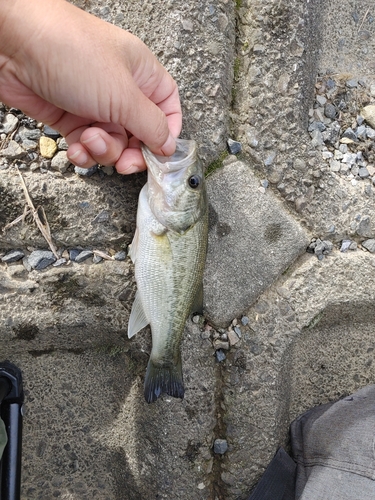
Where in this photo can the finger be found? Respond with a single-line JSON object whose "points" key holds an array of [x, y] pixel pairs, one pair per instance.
{"points": [[131, 160], [170, 105], [146, 121], [99, 145]]}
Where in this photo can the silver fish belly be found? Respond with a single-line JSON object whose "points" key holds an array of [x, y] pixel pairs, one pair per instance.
{"points": [[169, 251]]}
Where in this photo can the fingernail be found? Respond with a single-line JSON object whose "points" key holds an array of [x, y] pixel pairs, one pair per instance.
{"points": [[132, 169], [79, 158], [169, 146], [96, 144]]}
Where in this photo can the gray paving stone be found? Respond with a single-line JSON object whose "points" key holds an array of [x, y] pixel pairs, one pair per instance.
{"points": [[252, 240]]}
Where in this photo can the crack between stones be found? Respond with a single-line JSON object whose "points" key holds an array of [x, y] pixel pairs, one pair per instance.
{"points": [[218, 486]]}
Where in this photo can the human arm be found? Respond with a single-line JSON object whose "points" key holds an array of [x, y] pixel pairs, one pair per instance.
{"points": [[95, 83]]}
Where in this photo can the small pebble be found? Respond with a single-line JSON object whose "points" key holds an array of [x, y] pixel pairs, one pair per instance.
{"points": [[108, 170], [360, 120], [352, 83], [369, 245], [350, 134], [363, 172], [220, 446], [60, 162], [9, 124], [62, 144], [345, 245], [220, 355], [330, 111], [83, 255], [321, 100], [237, 329], [59, 262], [233, 338], [234, 147], [245, 320], [121, 255], [326, 155], [13, 151], [361, 132], [86, 172], [50, 132], [74, 252], [13, 256], [40, 259], [220, 344], [47, 147], [96, 259]]}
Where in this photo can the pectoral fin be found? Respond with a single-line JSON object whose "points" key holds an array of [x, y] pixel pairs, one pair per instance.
{"points": [[198, 301], [133, 247], [137, 319]]}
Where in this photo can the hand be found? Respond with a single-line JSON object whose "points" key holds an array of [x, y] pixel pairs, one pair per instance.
{"points": [[98, 85]]}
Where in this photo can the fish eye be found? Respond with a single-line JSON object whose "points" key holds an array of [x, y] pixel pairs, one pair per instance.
{"points": [[194, 181]]}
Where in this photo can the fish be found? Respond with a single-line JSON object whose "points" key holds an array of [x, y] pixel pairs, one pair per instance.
{"points": [[169, 252]]}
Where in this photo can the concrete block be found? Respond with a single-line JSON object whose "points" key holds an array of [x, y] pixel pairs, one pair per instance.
{"points": [[252, 240]]}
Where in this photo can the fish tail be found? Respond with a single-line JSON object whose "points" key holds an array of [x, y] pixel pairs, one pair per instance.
{"points": [[163, 378]]}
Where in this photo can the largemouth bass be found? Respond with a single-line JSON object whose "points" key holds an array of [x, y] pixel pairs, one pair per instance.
{"points": [[169, 252]]}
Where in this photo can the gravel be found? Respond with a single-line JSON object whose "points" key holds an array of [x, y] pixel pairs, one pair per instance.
{"points": [[73, 253], [60, 162], [50, 132], [86, 172], [12, 151], [220, 446], [245, 320], [9, 124], [40, 259], [13, 256], [83, 255], [220, 355], [120, 255], [234, 147], [342, 128], [369, 245]]}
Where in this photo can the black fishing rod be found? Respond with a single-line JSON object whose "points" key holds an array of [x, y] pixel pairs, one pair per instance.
{"points": [[11, 401]]}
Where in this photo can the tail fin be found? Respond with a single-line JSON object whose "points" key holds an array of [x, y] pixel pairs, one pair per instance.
{"points": [[159, 379]]}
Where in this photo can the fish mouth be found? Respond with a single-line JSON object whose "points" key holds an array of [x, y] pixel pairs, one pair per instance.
{"points": [[185, 155]]}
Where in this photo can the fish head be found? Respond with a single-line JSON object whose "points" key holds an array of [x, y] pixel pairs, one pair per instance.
{"points": [[176, 186]]}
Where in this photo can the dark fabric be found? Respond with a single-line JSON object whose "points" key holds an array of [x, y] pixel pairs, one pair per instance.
{"points": [[333, 445], [297, 435], [277, 482]]}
